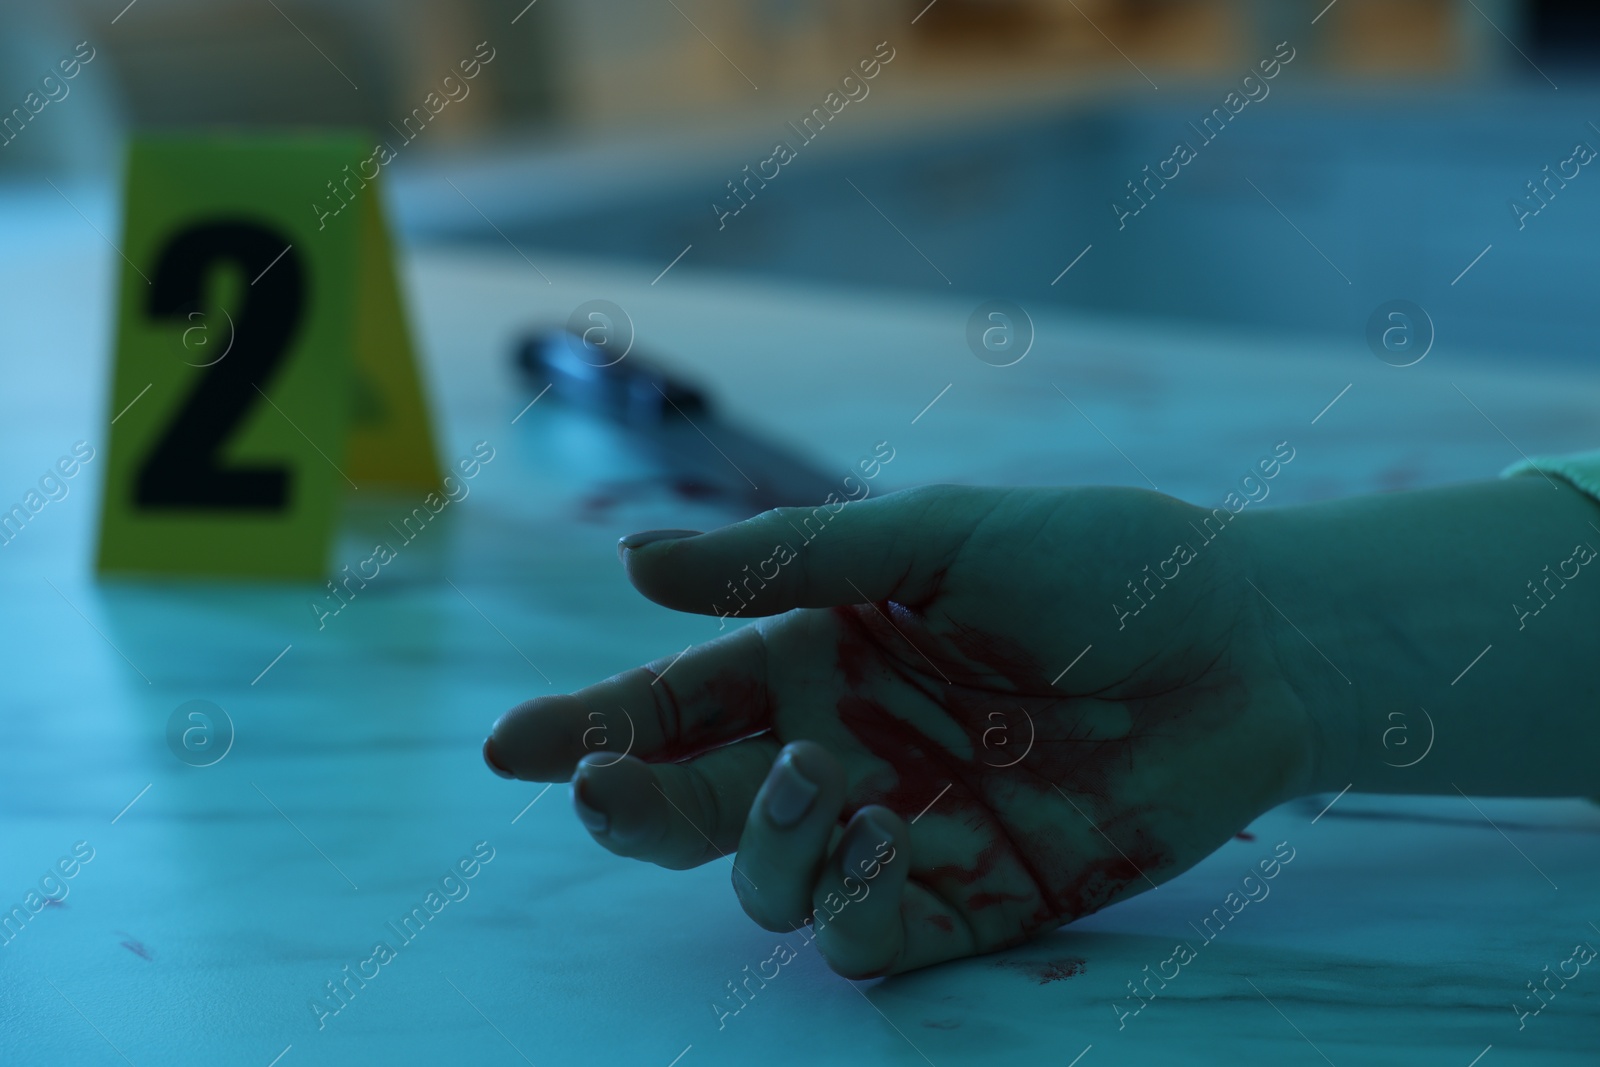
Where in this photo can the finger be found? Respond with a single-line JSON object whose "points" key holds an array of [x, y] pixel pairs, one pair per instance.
{"points": [[864, 931], [891, 923], [892, 547], [667, 710], [786, 836], [857, 902], [677, 815]]}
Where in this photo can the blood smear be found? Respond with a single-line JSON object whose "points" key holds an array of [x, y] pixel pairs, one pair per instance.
{"points": [[136, 947], [1046, 971]]}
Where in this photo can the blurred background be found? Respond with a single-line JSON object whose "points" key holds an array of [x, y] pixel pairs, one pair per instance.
{"points": [[997, 140], [1434, 152]]}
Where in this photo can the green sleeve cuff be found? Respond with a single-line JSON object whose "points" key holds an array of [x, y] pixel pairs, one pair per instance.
{"points": [[1582, 469]]}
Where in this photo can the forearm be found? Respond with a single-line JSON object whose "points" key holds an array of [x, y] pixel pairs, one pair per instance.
{"points": [[1466, 618]]}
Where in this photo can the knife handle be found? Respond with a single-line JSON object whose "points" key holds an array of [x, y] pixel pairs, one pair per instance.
{"points": [[629, 390]]}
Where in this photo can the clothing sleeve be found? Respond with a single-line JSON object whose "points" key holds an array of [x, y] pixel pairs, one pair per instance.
{"points": [[1582, 469]]}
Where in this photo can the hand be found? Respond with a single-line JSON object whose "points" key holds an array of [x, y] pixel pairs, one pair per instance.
{"points": [[947, 785]]}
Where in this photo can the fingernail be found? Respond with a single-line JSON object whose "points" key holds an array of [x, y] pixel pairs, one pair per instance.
{"points": [[650, 537], [861, 851], [493, 760], [594, 820], [789, 794]]}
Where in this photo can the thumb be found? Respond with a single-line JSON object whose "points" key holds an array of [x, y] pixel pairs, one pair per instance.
{"points": [[894, 547]]}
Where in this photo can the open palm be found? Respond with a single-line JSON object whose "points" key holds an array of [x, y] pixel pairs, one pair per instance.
{"points": [[943, 738]]}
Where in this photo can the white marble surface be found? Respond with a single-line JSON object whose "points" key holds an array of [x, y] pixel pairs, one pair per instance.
{"points": [[221, 900]]}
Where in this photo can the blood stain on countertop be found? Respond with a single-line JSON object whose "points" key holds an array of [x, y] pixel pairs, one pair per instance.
{"points": [[137, 947], [1046, 971]]}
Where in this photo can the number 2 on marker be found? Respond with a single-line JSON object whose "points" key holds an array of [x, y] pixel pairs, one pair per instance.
{"points": [[184, 469]]}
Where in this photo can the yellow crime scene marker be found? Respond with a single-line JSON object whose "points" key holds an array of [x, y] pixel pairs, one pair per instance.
{"points": [[263, 364]]}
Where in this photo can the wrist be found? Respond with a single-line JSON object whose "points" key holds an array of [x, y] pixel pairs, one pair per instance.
{"points": [[1303, 636], [1392, 617]]}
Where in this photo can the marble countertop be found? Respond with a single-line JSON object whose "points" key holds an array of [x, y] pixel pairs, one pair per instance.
{"points": [[218, 901]]}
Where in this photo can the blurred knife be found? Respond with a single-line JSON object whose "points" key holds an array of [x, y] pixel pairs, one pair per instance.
{"points": [[674, 419]]}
